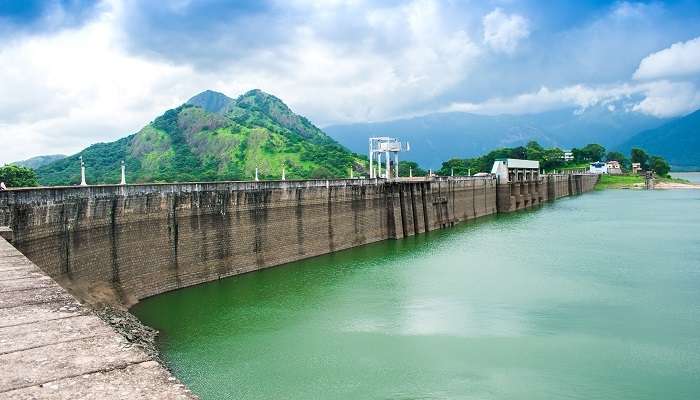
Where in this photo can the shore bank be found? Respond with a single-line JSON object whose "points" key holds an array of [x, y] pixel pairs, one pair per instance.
{"points": [[676, 185], [637, 182]]}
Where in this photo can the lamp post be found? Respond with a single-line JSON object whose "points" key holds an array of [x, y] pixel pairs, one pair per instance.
{"points": [[123, 181], [82, 172]]}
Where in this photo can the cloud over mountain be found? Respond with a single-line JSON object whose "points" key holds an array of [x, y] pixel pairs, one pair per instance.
{"points": [[100, 69], [681, 59]]}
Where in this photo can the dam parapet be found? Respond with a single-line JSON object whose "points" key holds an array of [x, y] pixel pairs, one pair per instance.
{"points": [[122, 243]]}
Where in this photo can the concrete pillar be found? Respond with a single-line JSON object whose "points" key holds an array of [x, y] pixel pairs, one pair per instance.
{"points": [[371, 155], [123, 181], [284, 177], [396, 164], [388, 164], [82, 172], [256, 174]]}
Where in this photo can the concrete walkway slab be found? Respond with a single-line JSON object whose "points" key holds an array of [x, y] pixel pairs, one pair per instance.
{"points": [[143, 381], [51, 347], [44, 333], [26, 314]]}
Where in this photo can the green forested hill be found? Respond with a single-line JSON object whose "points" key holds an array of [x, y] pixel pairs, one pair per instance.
{"points": [[677, 141], [213, 137]]}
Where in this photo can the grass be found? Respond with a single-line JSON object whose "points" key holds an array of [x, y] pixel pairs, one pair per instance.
{"points": [[629, 181]]}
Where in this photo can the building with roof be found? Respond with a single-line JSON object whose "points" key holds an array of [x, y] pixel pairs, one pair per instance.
{"points": [[613, 167], [598, 167]]}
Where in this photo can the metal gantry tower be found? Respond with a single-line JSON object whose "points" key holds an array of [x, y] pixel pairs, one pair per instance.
{"points": [[386, 146]]}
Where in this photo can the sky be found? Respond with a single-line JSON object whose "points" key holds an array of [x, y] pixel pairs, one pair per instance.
{"points": [[77, 72]]}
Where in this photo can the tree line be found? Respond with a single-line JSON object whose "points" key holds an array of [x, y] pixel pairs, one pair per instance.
{"points": [[549, 158], [553, 159]]}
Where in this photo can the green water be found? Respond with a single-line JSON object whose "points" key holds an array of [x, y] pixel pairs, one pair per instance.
{"points": [[593, 297]]}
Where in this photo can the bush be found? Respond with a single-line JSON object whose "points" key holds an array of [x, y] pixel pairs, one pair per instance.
{"points": [[659, 165], [16, 176]]}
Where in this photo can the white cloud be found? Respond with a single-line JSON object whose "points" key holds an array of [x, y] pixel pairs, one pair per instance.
{"points": [[681, 59], [503, 32], [545, 99], [657, 98], [79, 86], [343, 61], [668, 99]]}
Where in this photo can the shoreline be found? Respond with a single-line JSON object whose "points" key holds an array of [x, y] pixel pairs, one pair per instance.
{"points": [[675, 185], [657, 186]]}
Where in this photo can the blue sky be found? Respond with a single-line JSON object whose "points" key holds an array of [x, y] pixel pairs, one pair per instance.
{"points": [[74, 72]]}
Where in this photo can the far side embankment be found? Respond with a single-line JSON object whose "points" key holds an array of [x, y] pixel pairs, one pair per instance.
{"points": [[119, 244]]}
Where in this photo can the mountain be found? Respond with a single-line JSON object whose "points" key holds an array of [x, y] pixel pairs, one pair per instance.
{"points": [[211, 101], [38, 161], [677, 141], [437, 137], [213, 137]]}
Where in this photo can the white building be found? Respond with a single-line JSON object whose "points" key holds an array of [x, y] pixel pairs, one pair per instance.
{"points": [[613, 167], [598, 168], [568, 156], [515, 170]]}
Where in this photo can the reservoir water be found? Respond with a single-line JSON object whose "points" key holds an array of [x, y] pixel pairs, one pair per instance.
{"points": [[592, 297], [693, 177]]}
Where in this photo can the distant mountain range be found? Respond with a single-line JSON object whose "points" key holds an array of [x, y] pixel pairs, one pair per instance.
{"points": [[677, 141], [38, 161], [213, 137], [435, 138]]}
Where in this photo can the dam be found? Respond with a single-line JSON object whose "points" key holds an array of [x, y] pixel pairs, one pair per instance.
{"points": [[118, 244], [123, 243]]}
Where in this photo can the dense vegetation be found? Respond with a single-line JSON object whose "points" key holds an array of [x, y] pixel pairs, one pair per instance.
{"points": [[553, 159], [213, 137], [38, 161], [17, 176], [549, 159]]}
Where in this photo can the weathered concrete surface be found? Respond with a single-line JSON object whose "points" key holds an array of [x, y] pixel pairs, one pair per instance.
{"points": [[119, 244], [51, 347], [532, 191]]}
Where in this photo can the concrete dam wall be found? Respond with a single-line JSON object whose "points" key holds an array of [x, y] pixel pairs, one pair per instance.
{"points": [[125, 243]]}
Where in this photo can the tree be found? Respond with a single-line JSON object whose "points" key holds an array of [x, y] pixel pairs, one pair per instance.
{"points": [[411, 167], [619, 157], [15, 176], [593, 152], [518, 152], [615, 156], [659, 165], [552, 159], [640, 156], [534, 151], [321, 172], [457, 165]]}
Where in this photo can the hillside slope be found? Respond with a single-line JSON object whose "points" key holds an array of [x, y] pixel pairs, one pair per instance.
{"points": [[213, 137], [38, 161], [437, 137], [677, 141]]}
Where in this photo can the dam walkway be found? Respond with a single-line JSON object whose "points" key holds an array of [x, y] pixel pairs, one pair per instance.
{"points": [[52, 347]]}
